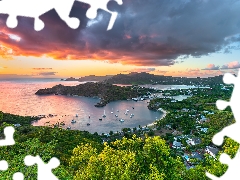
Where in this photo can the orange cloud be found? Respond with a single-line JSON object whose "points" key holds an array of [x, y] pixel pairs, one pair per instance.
{"points": [[41, 69], [211, 67], [231, 65]]}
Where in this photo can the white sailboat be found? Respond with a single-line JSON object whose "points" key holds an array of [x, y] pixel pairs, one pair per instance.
{"points": [[104, 115], [121, 120], [112, 111]]}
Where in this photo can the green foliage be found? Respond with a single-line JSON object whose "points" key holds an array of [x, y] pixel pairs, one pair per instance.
{"points": [[15, 154], [15, 119], [133, 158], [1, 115]]}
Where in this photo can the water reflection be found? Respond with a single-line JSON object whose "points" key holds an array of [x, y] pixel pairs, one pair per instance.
{"points": [[18, 97]]}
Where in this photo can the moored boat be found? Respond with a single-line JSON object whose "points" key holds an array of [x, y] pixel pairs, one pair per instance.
{"points": [[73, 121], [121, 120]]}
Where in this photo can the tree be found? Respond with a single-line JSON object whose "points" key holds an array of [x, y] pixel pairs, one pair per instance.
{"points": [[133, 158], [15, 155]]}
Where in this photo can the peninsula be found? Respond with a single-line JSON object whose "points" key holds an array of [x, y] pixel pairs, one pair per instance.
{"points": [[105, 91]]}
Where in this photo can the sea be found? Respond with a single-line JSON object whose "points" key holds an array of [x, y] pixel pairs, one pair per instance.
{"points": [[17, 96]]}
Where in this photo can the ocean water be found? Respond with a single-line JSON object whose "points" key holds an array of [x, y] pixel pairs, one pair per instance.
{"points": [[17, 96]]}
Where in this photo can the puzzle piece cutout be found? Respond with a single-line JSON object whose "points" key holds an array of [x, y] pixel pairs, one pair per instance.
{"points": [[18, 176], [44, 170], [101, 4], [3, 165], [36, 8], [232, 130], [233, 167], [8, 133]]}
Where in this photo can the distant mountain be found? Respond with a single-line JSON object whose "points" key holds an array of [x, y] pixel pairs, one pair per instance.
{"points": [[89, 78], [146, 78], [95, 78], [135, 78]]}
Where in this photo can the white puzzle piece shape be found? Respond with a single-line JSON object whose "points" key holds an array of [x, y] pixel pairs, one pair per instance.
{"points": [[44, 170], [36, 8], [233, 167], [231, 131], [3, 165], [8, 132]]}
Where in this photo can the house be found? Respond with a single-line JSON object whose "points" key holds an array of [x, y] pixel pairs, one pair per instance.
{"points": [[17, 125], [168, 126], [197, 155], [202, 120], [193, 141], [185, 110], [212, 151], [204, 130], [176, 144]]}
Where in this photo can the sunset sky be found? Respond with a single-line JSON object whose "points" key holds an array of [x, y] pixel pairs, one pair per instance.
{"points": [[169, 37]]}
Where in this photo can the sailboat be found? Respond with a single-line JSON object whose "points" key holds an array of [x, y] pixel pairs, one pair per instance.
{"points": [[104, 115], [112, 111], [121, 120], [73, 121]]}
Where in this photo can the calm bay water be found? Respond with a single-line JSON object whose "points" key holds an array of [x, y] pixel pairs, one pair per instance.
{"points": [[18, 97]]}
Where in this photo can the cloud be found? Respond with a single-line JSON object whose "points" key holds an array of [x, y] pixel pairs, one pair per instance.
{"points": [[47, 73], [38, 69], [231, 65], [211, 67], [196, 72], [146, 33]]}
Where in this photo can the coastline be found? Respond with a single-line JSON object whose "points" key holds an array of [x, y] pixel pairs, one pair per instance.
{"points": [[151, 125]]}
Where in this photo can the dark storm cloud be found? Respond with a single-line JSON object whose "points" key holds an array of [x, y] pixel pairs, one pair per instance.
{"points": [[146, 32]]}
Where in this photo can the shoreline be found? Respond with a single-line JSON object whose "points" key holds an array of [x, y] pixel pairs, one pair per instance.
{"points": [[151, 125]]}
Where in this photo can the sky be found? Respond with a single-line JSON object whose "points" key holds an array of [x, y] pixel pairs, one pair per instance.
{"points": [[189, 38]]}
